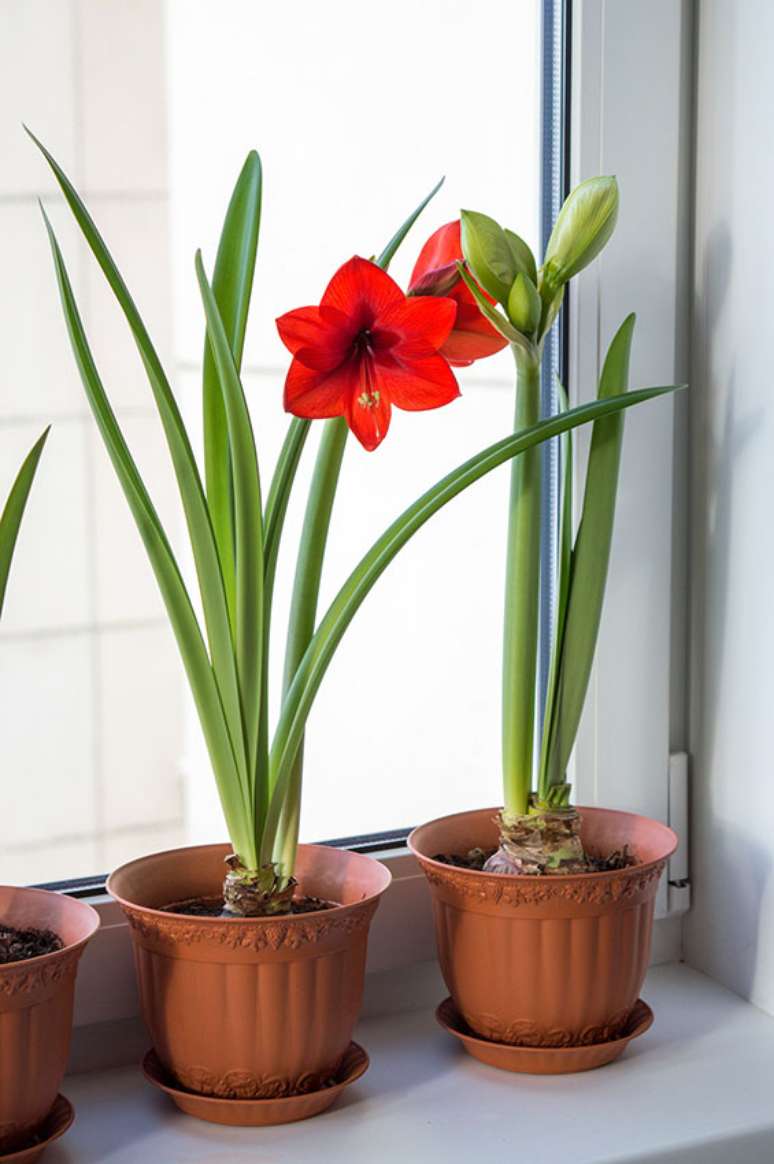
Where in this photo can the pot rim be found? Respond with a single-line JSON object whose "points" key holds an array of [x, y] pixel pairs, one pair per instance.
{"points": [[287, 918], [530, 878], [53, 955]]}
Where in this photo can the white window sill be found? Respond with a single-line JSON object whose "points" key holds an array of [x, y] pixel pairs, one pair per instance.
{"points": [[696, 1087]]}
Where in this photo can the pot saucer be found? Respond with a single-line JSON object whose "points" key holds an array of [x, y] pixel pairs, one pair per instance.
{"points": [[54, 1125], [255, 1113], [542, 1060]]}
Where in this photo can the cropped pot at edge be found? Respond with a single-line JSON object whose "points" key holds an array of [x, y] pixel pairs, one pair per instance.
{"points": [[250, 1008], [554, 961], [36, 1009]]}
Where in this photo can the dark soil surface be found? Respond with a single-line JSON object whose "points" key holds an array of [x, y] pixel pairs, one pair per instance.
{"points": [[477, 858], [213, 907], [18, 945], [473, 859]]}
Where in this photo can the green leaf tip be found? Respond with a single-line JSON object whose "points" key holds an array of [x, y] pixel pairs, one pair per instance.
{"points": [[387, 255], [13, 511]]}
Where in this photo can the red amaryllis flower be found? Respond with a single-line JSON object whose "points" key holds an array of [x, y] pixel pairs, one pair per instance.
{"points": [[435, 273], [367, 347]]}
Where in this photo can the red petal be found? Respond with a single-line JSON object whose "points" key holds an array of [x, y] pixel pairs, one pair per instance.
{"points": [[473, 337], [362, 291], [320, 337], [464, 347], [415, 327], [369, 414], [418, 384], [317, 395], [443, 247]]}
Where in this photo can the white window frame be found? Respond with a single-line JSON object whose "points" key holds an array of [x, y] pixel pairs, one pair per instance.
{"points": [[630, 63]]}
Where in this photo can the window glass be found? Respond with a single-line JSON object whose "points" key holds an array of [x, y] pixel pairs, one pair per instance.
{"points": [[356, 111]]}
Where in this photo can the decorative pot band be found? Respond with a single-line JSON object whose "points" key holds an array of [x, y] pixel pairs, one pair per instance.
{"points": [[603, 831]]}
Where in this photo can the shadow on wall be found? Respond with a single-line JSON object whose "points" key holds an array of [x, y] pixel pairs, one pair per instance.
{"points": [[730, 871]]}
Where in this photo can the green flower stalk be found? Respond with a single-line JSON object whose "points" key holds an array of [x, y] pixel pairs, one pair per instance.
{"points": [[540, 830], [235, 530]]}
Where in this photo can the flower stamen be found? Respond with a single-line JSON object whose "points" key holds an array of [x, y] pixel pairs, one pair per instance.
{"points": [[369, 398]]}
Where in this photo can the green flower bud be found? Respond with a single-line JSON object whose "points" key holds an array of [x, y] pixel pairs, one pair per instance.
{"points": [[524, 305], [488, 254], [585, 223]]}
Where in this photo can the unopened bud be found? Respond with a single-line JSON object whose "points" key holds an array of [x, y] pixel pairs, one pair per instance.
{"points": [[524, 305], [585, 223], [438, 281]]}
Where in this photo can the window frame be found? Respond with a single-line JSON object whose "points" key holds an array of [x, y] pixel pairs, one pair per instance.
{"points": [[630, 728]]}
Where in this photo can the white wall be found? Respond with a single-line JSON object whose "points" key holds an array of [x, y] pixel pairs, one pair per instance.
{"points": [[731, 931], [90, 725]]}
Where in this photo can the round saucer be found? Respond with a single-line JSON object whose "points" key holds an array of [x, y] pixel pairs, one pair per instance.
{"points": [[543, 1060], [54, 1125], [255, 1113]]}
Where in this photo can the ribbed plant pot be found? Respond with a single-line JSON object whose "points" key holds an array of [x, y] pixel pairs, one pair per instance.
{"points": [[250, 1008], [554, 961], [36, 1009]]}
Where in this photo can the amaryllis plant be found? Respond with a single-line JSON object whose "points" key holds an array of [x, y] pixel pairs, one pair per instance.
{"points": [[13, 511], [540, 829], [365, 348]]}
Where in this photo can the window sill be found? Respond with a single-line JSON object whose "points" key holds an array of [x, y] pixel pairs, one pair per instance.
{"points": [[696, 1087]]}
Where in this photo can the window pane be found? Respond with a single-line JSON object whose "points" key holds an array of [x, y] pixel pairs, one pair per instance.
{"points": [[406, 725], [356, 111]]}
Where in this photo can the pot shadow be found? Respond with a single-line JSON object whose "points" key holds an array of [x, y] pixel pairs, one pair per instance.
{"points": [[129, 1118], [412, 1051]]}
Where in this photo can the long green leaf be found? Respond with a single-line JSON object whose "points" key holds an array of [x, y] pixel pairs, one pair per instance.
{"points": [[314, 537], [303, 610], [232, 283], [273, 523], [233, 791], [203, 544], [13, 511], [279, 497], [590, 558], [387, 255], [248, 522], [343, 608]]}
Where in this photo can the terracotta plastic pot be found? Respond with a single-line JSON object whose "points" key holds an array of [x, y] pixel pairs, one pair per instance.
{"points": [[545, 961], [36, 1009], [250, 1008]]}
